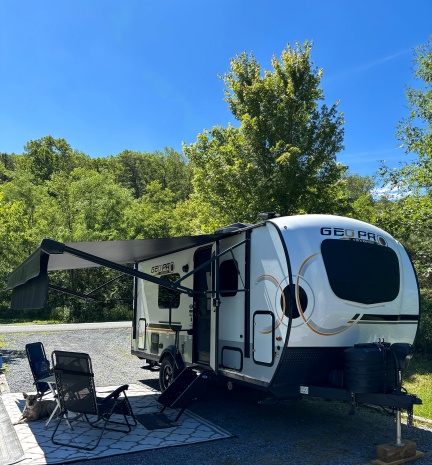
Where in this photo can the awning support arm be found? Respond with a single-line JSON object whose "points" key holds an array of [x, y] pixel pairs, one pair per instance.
{"points": [[70, 292], [82, 296], [105, 284]]}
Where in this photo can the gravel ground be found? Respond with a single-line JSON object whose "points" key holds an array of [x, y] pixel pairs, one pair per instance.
{"points": [[308, 432]]}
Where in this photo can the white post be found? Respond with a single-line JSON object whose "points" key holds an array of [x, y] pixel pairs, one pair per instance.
{"points": [[398, 428]]}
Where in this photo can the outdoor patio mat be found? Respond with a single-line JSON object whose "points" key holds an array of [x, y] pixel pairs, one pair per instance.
{"points": [[10, 447], [35, 437]]}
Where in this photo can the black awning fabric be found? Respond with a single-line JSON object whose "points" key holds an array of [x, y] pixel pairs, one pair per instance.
{"points": [[29, 281]]}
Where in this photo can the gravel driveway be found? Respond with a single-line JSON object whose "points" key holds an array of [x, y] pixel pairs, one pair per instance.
{"points": [[307, 432]]}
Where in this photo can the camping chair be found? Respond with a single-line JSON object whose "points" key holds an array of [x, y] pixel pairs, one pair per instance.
{"points": [[40, 366], [76, 393]]}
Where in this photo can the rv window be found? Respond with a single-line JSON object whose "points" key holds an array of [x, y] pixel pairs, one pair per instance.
{"points": [[286, 299], [169, 297], [228, 278], [361, 271]]}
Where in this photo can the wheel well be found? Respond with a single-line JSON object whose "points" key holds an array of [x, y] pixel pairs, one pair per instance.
{"points": [[171, 351], [168, 352]]}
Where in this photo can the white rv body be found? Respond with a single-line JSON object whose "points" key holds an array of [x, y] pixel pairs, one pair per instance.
{"points": [[276, 304]]}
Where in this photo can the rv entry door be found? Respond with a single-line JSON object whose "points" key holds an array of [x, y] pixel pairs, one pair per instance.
{"points": [[202, 307]]}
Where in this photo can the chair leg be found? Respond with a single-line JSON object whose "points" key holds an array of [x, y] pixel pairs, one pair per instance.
{"points": [[54, 412], [179, 414], [125, 409], [125, 423]]}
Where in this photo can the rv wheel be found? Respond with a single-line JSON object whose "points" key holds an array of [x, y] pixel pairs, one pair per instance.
{"points": [[167, 373]]}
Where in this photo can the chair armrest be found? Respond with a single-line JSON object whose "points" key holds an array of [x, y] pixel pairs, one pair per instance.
{"points": [[115, 394]]}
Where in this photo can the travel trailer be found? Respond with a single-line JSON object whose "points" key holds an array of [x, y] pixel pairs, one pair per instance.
{"points": [[316, 305]]}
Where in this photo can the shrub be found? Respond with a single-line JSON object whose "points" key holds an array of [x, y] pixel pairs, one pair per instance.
{"points": [[423, 341]]}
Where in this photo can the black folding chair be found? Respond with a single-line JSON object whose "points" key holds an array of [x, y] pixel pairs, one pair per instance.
{"points": [[39, 365], [77, 395]]}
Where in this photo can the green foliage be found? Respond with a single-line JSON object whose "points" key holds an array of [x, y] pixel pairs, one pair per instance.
{"points": [[415, 131], [225, 176], [6, 165], [137, 170], [151, 216], [408, 216], [53, 191], [196, 216], [89, 205], [360, 196], [47, 155], [359, 186], [282, 157], [112, 302], [424, 336]]}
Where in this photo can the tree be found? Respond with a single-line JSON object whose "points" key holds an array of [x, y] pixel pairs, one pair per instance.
{"points": [[359, 186], [173, 172], [225, 178], [360, 191], [35, 206], [45, 156], [194, 216], [413, 181], [151, 215], [12, 239], [54, 191], [408, 217], [137, 170], [6, 165], [415, 131], [24, 220], [133, 170], [89, 206], [282, 157]]}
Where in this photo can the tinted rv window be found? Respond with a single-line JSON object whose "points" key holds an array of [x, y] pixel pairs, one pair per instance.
{"points": [[360, 271], [228, 278], [167, 296], [285, 301]]}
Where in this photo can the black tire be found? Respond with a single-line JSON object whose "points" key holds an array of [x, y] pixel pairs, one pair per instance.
{"points": [[167, 372]]}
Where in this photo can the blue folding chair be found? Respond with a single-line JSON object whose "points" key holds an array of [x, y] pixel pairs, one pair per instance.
{"points": [[40, 366]]}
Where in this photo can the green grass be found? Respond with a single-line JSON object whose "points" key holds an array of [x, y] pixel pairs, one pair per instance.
{"points": [[418, 380], [18, 321]]}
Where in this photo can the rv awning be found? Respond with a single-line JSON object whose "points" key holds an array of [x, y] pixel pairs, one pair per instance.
{"points": [[29, 281]]}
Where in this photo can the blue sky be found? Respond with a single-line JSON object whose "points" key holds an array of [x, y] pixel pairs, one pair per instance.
{"points": [[110, 75]]}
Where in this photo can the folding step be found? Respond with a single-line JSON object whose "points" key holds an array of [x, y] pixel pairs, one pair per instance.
{"points": [[184, 389]]}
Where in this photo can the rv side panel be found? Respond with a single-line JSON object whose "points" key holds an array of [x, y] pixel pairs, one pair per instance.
{"points": [[268, 320], [156, 331]]}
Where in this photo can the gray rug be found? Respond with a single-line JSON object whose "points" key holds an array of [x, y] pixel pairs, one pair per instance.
{"points": [[38, 448], [10, 446]]}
